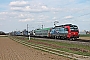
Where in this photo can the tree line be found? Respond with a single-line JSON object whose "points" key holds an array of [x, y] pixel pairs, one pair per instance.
{"points": [[2, 33]]}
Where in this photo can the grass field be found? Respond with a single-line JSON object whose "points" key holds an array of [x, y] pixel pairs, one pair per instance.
{"points": [[63, 46], [87, 35], [68, 47]]}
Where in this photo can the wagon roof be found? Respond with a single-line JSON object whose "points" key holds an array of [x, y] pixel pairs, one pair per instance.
{"points": [[43, 29]]}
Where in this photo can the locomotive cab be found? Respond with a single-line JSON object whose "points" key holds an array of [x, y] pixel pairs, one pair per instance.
{"points": [[73, 32]]}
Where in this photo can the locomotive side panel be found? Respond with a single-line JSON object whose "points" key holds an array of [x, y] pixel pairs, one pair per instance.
{"points": [[59, 32]]}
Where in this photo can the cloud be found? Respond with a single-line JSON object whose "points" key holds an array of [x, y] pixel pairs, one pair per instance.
{"points": [[68, 17], [44, 12], [18, 3], [2, 18], [28, 6], [26, 20], [35, 9], [2, 13], [1, 24], [30, 9], [54, 18], [32, 6], [23, 9], [42, 17], [11, 16]]}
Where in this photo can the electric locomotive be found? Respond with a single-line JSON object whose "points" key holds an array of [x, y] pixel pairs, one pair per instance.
{"points": [[67, 31]]}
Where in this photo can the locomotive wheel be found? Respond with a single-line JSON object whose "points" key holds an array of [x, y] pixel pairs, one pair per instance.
{"points": [[75, 38], [62, 38], [72, 39]]}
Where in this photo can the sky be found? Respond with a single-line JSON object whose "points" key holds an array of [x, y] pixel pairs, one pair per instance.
{"points": [[16, 14]]}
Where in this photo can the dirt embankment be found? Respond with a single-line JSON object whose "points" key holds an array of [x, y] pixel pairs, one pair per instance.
{"points": [[11, 50]]}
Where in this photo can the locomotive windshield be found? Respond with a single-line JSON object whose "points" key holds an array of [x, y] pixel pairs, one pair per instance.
{"points": [[73, 28]]}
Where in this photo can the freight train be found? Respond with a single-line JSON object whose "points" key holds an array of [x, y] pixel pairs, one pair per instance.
{"points": [[67, 31]]}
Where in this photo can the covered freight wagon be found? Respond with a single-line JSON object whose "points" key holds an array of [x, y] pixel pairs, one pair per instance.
{"points": [[43, 32]]}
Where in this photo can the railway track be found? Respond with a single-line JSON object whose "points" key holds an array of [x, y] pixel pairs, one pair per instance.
{"points": [[51, 50]]}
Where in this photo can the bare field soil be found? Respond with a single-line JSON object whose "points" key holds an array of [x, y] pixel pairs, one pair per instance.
{"points": [[85, 38], [11, 50]]}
